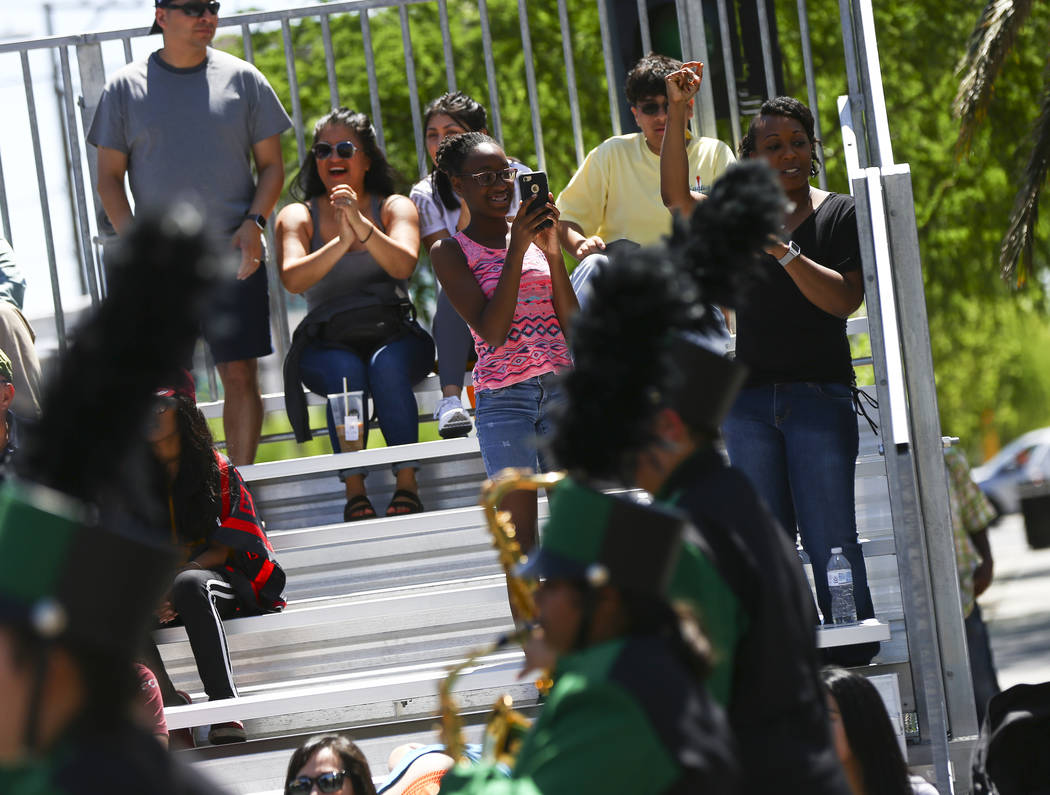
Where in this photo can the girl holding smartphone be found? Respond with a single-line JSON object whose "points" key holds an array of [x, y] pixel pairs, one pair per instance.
{"points": [[508, 282], [441, 214]]}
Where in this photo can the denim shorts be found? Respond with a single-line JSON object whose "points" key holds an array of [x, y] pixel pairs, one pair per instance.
{"points": [[512, 420]]}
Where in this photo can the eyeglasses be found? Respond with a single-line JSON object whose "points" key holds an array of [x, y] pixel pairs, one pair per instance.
{"points": [[344, 149], [653, 108], [195, 9], [326, 782], [487, 179]]}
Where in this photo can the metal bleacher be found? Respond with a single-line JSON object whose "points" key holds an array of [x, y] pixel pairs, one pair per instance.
{"points": [[379, 610]]}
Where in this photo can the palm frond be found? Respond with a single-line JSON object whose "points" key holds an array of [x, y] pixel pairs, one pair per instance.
{"points": [[1015, 254], [986, 51]]}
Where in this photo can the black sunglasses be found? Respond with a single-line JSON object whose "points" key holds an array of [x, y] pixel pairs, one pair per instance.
{"points": [[326, 782], [487, 179], [195, 9], [345, 150], [652, 108]]}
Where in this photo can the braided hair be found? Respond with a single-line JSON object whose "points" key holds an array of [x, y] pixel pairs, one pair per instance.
{"points": [[792, 109], [381, 178], [452, 154]]}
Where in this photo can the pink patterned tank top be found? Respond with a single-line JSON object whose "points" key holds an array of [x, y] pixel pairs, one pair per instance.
{"points": [[535, 343]]}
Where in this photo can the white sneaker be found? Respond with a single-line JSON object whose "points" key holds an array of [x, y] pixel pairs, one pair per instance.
{"points": [[453, 420]]}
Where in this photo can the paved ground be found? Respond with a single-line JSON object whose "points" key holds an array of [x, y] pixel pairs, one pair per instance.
{"points": [[1017, 606]]}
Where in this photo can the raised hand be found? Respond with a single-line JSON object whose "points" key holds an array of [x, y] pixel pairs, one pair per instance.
{"points": [[683, 84]]}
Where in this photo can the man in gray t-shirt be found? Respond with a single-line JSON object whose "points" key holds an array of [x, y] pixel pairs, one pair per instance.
{"points": [[187, 122]]}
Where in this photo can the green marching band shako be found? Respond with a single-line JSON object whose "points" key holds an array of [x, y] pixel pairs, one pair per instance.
{"points": [[52, 548], [594, 537]]}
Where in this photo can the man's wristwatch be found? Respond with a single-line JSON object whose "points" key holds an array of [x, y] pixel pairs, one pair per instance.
{"points": [[260, 220], [792, 252]]}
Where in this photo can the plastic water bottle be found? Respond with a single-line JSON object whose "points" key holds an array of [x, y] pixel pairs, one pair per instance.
{"points": [[840, 583]]}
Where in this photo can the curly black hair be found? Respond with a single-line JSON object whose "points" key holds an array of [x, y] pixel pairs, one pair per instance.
{"points": [[451, 155], [381, 180], [792, 109], [641, 304], [620, 343], [469, 114], [647, 77], [719, 243]]}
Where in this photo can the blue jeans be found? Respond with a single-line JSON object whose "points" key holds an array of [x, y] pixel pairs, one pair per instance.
{"points": [[798, 444], [512, 419], [388, 375]]}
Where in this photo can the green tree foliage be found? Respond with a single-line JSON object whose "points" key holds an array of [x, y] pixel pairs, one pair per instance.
{"points": [[989, 344]]}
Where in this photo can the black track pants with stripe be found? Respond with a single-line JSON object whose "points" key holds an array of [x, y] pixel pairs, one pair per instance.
{"points": [[201, 598]]}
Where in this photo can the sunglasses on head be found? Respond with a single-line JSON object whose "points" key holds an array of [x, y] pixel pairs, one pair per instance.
{"points": [[326, 782], [652, 108], [344, 149], [195, 9], [487, 179]]}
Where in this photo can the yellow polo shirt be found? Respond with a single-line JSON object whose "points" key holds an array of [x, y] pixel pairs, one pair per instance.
{"points": [[616, 192]]}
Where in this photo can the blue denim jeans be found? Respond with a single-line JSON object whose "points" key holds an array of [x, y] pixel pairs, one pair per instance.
{"points": [[798, 444], [388, 375], [511, 421]]}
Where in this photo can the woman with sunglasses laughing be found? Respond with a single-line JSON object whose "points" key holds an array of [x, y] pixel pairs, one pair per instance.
{"points": [[349, 245], [508, 281], [328, 763]]}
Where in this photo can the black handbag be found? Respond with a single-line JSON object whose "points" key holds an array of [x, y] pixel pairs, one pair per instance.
{"points": [[367, 328]]}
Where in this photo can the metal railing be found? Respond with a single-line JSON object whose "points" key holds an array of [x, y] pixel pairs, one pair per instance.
{"points": [[624, 26]]}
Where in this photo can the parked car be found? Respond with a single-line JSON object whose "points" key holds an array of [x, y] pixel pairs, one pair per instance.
{"points": [[1024, 460]]}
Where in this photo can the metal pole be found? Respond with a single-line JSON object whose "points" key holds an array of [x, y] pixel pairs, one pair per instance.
{"points": [[811, 85], [730, 70], [45, 207], [413, 90], [694, 48], [767, 49], [643, 27], [490, 71], [610, 78], [76, 184], [293, 88], [329, 61], [530, 83], [373, 82], [570, 80], [446, 41]]}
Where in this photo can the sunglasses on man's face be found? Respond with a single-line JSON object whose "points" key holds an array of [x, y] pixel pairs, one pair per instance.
{"points": [[487, 179], [344, 149], [195, 9], [326, 782], [653, 108]]}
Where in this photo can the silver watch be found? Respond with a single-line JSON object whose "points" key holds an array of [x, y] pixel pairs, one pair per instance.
{"points": [[792, 252]]}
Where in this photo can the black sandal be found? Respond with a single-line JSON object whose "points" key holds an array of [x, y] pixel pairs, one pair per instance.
{"points": [[403, 498], [357, 508]]}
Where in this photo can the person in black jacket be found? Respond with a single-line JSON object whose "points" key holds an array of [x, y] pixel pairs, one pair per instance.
{"points": [[227, 565], [649, 353]]}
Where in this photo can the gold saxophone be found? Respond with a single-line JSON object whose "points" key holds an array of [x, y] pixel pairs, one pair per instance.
{"points": [[505, 727]]}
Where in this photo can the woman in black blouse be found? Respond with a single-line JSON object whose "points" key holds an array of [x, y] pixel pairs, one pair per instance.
{"points": [[793, 429]]}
